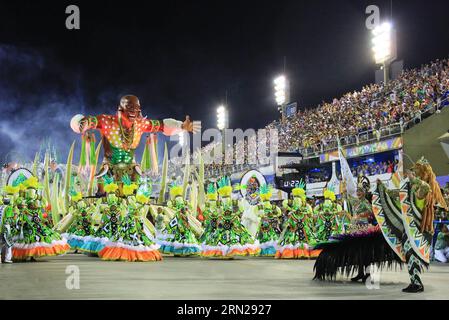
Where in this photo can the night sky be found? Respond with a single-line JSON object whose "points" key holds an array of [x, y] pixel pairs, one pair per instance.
{"points": [[180, 57]]}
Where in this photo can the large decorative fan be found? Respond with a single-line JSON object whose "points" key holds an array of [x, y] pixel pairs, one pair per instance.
{"points": [[21, 172]]}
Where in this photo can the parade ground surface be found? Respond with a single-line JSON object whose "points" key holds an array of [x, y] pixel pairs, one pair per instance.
{"points": [[199, 279]]}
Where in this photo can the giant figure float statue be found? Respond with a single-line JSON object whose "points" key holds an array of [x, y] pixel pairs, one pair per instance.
{"points": [[121, 134]]}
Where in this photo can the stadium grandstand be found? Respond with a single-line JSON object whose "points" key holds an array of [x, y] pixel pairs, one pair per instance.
{"points": [[368, 124]]}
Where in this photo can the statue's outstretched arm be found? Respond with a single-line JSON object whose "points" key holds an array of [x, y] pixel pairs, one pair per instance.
{"points": [[81, 123]]}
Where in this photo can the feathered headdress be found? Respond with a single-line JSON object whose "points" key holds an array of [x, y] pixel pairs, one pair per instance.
{"points": [[31, 183], [175, 190], [224, 187], [330, 195], [128, 186], [211, 192], [143, 197], [265, 192], [109, 185], [299, 190], [75, 196]]}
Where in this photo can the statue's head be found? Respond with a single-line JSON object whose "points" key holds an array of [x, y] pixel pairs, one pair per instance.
{"points": [[423, 170], [130, 108]]}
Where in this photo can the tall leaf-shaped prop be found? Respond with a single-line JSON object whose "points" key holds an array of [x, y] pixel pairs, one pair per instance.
{"points": [[83, 161], [92, 157], [145, 164], [200, 178], [185, 180], [54, 201], [161, 197], [153, 154], [47, 180], [93, 169], [68, 178], [36, 163], [194, 195], [61, 204]]}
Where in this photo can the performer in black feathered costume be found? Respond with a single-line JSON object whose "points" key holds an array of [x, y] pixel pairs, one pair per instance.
{"points": [[362, 245]]}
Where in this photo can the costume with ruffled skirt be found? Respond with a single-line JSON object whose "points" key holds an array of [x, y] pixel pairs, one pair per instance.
{"points": [[230, 238], [34, 238], [361, 246], [296, 241], [131, 242], [328, 221], [111, 216], [80, 230], [210, 216], [269, 229], [178, 238]]}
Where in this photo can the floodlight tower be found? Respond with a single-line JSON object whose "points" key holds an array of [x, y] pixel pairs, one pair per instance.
{"points": [[384, 47], [222, 123], [281, 93], [222, 117]]}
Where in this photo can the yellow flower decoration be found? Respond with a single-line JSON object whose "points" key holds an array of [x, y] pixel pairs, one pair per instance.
{"points": [[129, 189], [111, 188], [298, 192], [212, 196], [266, 196], [12, 190], [141, 198]]}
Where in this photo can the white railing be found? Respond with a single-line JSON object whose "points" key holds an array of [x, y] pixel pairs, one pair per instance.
{"points": [[371, 135]]}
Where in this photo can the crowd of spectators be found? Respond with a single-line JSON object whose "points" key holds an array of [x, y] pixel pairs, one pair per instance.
{"points": [[366, 169], [377, 106], [374, 107], [373, 168]]}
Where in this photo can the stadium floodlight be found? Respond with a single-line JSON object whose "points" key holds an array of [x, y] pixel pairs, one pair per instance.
{"points": [[384, 46], [222, 116], [280, 90]]}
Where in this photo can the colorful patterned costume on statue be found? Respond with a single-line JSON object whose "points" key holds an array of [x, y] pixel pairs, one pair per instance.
{"points": [[178, 238], [230, 238], [269, 229], [406, 219], [296, 240], [121, 134], [132, 242], [34, 238]]}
